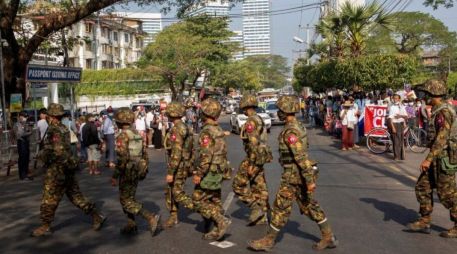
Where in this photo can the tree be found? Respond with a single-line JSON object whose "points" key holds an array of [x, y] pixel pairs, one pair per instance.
{"points": [[237, 74], [436, 3], [272, 69], [332, 30], [59, 14], [186, 50], [411, 32]]}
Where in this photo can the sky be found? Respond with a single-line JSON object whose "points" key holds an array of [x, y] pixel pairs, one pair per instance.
{"points": [[285, 27]]}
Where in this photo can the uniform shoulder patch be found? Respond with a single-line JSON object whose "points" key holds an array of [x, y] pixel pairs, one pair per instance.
{"points": [[292, 139], [205, 140], [250, 127], [173, 137]]}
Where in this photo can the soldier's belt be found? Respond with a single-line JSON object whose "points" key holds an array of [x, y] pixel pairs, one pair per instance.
{"points": [[288, 161]]}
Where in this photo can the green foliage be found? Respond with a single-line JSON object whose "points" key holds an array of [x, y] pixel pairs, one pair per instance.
{"points": [[411, 32], [437, 3], [452, 81], [117, 82], [252, 73], [346, 32], [369, 72], [182, 52]]}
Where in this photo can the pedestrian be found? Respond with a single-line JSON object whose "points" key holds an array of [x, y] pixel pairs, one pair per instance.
{"points": [[73, 136], [298, 181], [149, 124], [60, 177], [178, 142], [92, 141], [83, 148], [348, 121], [397, 120], [23, 133], [208, 175], [157, 135], [249, 183], [439, 167], [140, 122], [42, 125], [190, 114], [132, 167], [108, 131]]}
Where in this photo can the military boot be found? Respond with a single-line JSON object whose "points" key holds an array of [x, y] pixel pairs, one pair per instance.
{"points": [[130, 228], [42, 230], [328, 239], [97, 220], [222, 224], [171, 221], [256, 214], [212, 235], [451, 233], [422, 225], [153, 220], [266, 243], [262, 221]]}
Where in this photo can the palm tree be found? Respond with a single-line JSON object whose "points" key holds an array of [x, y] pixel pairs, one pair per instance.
{"points": [[359, 20], [332, 29]]}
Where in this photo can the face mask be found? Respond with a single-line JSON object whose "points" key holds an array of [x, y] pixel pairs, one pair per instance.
{"points": [[411, 104], [419, 104]]}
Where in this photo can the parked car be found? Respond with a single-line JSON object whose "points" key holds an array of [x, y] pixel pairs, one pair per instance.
{"points": [[272, 111], [238, 119]]}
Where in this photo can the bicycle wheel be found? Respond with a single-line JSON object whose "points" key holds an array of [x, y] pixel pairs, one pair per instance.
{"points": [[417, 140], [378, 140]]}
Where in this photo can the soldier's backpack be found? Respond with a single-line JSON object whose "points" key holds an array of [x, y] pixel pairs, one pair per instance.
{"points": [[136, 151], [449, 163]]}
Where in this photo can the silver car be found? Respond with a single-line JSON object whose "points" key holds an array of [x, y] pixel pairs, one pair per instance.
{"points": [[238, 119], [272, 111]]}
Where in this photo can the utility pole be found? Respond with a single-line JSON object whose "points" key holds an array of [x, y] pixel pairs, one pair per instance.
{"points": [[307, 45], [2, 77]]}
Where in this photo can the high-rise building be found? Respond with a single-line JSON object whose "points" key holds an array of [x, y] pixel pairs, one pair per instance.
{"points": [[152, 23], [238, 37], [256, 27], [217, 8]]}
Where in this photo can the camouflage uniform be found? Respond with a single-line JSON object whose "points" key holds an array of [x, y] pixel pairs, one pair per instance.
{"points": [[298, 174], [60, 177], [132, 166], [211, 162], [437, 177], [249, 183], [179, 146]]}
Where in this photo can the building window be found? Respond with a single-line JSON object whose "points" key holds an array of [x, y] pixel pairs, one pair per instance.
{"points": [[109, 34], [115, 36], [88, 46], [88, 28], [88, 63], [126, 38]]}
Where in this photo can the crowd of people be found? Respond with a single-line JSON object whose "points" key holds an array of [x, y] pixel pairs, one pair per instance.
{"points": [[342, 116]]}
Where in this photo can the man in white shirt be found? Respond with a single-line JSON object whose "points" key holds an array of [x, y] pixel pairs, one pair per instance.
{"points": [[397, 118], [42, 124], [149, 119], [108, 136], [140, 124]]}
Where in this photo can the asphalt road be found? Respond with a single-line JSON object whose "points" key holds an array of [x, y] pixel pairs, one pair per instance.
{"points": [[369, 199]]}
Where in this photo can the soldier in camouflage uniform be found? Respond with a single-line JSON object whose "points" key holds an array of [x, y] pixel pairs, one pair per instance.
{"points": [[208, 175], [434, 173], [249, 183], [132, 166], [178, 143], [60, 177], [298, 180]]}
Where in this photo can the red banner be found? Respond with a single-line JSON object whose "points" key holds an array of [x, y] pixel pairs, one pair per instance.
{"points": [[375, 117]]}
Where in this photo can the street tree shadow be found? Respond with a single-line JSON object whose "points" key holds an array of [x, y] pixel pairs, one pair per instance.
{"points": [[293, 228], [396, 212]]}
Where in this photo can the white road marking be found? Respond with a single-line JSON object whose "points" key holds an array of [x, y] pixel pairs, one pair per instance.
{"points": [[228, 201], [223, 244]]}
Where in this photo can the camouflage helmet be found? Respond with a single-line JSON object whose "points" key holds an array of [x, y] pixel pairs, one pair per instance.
{"points": [[434, 87], [124, 115], [288, 104], [211, 108], [188, 103], [55, 109], [175, 109], [248, 100]]}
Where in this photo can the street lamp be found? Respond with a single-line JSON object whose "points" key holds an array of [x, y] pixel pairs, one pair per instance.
{"points": [[301, 41]]}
